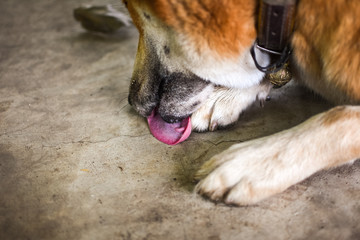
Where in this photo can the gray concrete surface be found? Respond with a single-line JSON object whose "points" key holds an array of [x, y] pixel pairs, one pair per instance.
{"points": [[76, 162]]}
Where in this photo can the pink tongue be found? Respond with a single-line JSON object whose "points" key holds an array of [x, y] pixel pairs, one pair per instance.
{"points": [[169, 133]]}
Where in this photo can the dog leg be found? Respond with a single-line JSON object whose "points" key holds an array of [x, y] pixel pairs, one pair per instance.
{"points": [[249, 172], [224, 106]]}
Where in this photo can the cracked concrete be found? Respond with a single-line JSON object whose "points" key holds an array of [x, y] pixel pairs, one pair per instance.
{"points": [[76, 162]]}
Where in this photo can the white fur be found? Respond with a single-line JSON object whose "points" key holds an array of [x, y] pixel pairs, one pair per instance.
{"points": [[224, 106], [239, 72]]}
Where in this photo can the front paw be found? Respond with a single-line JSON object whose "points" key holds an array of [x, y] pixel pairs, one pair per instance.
{"points": [[245, 174], [224, 106]]}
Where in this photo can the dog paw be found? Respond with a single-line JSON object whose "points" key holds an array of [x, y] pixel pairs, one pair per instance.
{"points": [[249, 172], [246, 173], [224, 106]]}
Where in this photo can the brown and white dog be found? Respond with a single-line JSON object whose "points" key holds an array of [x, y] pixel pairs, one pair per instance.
{"points": [[193, 60]]}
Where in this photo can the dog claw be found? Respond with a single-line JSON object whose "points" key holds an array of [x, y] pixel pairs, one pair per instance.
{"points": [[213, 126]]}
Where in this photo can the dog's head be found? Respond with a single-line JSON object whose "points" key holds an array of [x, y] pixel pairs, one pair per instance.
{"points": [[185, 48]]}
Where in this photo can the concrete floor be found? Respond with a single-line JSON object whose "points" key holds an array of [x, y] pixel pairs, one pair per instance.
{"points": [[76, 162]]}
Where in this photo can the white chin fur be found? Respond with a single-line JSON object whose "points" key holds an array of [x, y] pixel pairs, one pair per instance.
{"points": [[231, 73]]}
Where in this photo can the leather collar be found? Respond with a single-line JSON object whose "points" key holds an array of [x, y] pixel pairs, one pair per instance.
{"points": [[275, 26]]}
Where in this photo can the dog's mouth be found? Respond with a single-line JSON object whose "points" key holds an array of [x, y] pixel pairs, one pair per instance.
{"points": [[169, 133], [168, 103]]}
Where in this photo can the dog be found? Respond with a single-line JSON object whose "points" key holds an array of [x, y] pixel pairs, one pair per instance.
{"points": [[194, 60]]}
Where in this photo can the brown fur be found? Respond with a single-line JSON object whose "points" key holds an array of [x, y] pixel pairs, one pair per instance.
{"points": [[326, 45], [227, 38]]}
